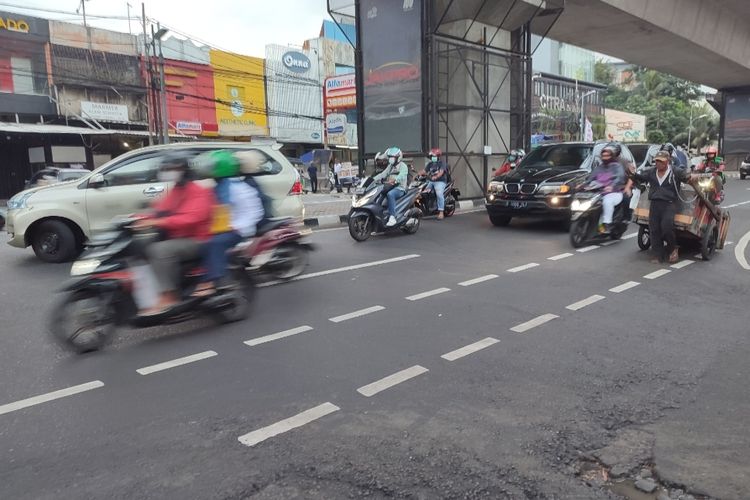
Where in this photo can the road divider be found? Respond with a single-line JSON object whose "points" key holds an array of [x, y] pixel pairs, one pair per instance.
{"points": [[176, 362], [538, 321], [50, 396], [585, 302], [278, 336], [478, 280], [370, 390], [429, 293], [356, 314], [286, 425], [469, 349]]}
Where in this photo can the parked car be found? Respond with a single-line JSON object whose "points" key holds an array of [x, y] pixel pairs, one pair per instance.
{"points": [[56, 220], [745, 167], [3, 212], [53, 175], [543, 183]]}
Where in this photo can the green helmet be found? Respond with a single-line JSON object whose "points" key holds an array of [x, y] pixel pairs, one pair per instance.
{"points": [[224, 164]]}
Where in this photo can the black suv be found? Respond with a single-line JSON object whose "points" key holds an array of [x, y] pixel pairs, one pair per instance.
{"points": [[543, 183]]}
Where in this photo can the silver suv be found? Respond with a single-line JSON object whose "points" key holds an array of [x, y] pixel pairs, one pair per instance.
{"points": [[56, 220]]}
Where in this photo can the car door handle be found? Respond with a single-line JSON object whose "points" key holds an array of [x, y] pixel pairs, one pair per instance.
{"points": [[153, 190]]}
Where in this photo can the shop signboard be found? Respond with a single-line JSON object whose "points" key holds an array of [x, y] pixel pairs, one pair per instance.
{"points": [[625, 127], [391, 73], [105, 112], [240, 94]]}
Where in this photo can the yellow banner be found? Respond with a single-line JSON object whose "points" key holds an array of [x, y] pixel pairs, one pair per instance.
{"points": [[240, 94]]}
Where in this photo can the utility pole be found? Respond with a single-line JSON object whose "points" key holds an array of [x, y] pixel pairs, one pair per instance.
{"points": [[130, 31], [82, 6], [165, 119], [147, 63]]}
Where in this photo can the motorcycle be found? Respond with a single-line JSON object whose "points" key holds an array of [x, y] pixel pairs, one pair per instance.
{"points": [[586, 211], [278, 250], [427, 199], [369, 212], [104, 292]]}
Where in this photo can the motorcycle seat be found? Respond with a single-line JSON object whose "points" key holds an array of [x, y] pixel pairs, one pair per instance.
{"points": [[270, 225]]}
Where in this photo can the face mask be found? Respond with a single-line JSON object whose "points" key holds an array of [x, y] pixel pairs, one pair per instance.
{"points": [[169, 175], [391, 161]]}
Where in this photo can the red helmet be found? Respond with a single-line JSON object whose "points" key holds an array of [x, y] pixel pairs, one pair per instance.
{"points": [[435, 152], [712, 150]]}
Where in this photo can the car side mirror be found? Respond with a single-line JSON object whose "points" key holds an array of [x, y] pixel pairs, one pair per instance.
{"points": [[96, 181]]}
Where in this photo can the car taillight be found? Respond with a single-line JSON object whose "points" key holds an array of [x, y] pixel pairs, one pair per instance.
{"points": [[296, 188]]}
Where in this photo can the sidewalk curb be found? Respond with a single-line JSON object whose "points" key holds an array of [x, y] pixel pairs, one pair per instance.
{"points": [[325, 221]]}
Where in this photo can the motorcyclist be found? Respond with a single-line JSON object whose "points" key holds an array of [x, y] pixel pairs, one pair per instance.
{"points": [[714, 164], [397, 175], [238, 211], [609, 176], [514, 158], [183, 217], [437, 173]]}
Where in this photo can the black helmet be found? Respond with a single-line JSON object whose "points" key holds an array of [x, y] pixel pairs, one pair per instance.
{"points": [[668, 147], [614, 149], [178, 161]]}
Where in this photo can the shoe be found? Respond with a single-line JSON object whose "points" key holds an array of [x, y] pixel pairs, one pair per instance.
{"points": [[603, 228], [674, 257], [391, 221], [440, 216]]}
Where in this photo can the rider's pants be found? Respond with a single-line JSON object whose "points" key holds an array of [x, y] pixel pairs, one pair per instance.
{"points": [[166, 258], [609, 202]]}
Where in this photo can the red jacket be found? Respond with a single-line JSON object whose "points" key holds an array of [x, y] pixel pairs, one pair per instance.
{"points": [[190, 209]]}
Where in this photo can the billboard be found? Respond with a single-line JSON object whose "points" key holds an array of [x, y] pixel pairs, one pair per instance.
{"points": [[240, 94], [625, 127], [737, 124], [391, 74], [340, 104]]}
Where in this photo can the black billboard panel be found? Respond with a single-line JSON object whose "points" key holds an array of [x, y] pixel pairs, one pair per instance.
{"points": [[391, 43], [737, 124]]}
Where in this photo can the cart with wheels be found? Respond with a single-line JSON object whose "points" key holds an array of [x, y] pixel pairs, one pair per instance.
{"points": [[698, 222]]}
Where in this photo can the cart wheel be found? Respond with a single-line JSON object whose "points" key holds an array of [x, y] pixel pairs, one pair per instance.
{"points": [[709, 240], [644, 238]]}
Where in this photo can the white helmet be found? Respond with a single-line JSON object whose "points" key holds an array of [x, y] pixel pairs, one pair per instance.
{"points": [[394, 152]]}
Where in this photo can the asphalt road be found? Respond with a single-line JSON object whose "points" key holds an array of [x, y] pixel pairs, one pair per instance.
{"points": [[568, 370]]}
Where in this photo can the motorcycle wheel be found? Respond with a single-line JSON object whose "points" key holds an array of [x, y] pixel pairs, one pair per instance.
{"points": [[360, 226], [294, 259], [413, 228], [450, 206], [579, 232], [618, 231], [83, 321], [644, 238], [239, 308]]}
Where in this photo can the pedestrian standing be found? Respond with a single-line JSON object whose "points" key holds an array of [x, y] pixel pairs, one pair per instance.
{"points": [[312, 171], [336, 173], [663, 192]]}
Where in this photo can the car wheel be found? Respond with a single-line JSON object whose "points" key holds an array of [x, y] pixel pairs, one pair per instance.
{"points": [[53, 241], [500, 220]]}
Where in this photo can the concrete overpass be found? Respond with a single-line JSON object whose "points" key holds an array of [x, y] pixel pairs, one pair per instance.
{"points": [[704, 41]]}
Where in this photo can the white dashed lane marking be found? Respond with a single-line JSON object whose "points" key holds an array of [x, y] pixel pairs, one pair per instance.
{"points": [[523, 267], [469, 349], [176, 362], [478, 280], [560, 256], [585, 302], [539, 320], [588, 248], [429, 293], [624, 286], [657, 274], [50, 396], [277, 336], [391, 380], [356, 314], [682, 264], [282, 426], [628, 236]]}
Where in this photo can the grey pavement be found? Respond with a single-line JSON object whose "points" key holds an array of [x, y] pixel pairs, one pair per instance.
{"points": [[321, 204], [651, 377]]}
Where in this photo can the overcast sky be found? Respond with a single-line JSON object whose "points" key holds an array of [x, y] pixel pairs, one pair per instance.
{"points": [[242, 26]]}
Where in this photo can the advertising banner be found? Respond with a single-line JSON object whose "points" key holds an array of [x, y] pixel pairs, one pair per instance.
{"points": [[340, 103], [391, 43], [625, 127], [104, 112], [240, 94], [737, 124]]}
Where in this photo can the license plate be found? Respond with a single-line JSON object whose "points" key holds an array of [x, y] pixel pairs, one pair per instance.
{"points": [[359, 191], [518, 204]]}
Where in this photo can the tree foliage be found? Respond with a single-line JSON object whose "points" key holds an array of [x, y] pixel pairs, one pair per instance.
{"points": [[665, 100]]}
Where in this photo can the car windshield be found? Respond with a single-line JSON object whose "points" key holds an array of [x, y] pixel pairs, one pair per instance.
{"points": [[558, 156]]}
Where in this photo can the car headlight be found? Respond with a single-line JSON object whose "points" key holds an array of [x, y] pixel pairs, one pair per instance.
{"points": [[496, 187], [580, 206], [83, 267], [554, 189], [19, 200]]}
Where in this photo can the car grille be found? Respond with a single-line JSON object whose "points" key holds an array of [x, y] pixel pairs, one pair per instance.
{"points": [[511, 188], [528, 188]]}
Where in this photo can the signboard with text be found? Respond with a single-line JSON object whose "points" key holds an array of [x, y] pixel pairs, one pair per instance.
{"points": [[104, 111], [625, 127]]}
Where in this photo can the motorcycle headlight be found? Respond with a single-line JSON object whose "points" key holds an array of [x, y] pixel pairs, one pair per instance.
{"points": [[83, 267], [496, 187], [554, 189], [704, 183], [580, 206], [19, 200]]}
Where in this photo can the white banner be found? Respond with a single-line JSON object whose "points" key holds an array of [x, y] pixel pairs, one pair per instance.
{"points": [[104, 111]]}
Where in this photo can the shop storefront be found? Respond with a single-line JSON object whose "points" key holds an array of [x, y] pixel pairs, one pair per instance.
{"points": [[191, 106], [240, 95]]}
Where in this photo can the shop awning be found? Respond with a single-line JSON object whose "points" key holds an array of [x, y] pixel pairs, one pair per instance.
{"points": [[44, 128]]}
